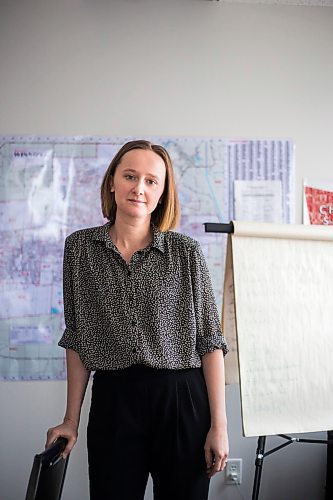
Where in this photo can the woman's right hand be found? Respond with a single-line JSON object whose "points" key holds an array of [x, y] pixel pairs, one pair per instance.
{"points": [[68, 430]]}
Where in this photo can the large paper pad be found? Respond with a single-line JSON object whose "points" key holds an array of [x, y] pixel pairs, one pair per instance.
{"points": [[279, 295]]}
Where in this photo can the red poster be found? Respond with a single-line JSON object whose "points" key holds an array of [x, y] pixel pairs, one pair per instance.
{"points": [[319, 203]]}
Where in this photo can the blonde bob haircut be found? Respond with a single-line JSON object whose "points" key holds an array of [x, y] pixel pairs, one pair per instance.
{"points": [[167, 213]]}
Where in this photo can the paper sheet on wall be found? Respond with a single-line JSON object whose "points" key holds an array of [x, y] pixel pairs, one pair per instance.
{"points": [[258, 201], [283, 301]]}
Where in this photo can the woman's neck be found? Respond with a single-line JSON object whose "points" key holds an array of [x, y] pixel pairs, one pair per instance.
{"points": [[130, 237]]}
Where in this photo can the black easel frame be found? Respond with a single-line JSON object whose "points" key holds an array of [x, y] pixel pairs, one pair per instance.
{"points": [[261, 454], [216, 227]]}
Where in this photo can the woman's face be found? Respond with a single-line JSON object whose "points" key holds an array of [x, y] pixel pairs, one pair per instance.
{"points": [[138, 183]]}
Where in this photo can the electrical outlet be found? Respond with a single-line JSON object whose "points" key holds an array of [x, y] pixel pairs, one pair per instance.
{"points": [[233, 471]]}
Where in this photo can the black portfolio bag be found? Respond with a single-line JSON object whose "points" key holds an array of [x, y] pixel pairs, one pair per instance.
{"points": [[48, 473]]}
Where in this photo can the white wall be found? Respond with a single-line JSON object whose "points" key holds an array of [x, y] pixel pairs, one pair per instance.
{"points": [[165, 67]]}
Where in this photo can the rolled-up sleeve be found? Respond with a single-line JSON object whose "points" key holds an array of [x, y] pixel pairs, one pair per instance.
{"points": [[209, 334], [69, 339]]}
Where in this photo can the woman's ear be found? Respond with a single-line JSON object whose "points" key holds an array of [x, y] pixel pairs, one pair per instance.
{"points": [[111, 185]]}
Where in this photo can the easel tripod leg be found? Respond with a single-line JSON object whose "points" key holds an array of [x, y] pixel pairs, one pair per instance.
{"points": [[259, 464]]}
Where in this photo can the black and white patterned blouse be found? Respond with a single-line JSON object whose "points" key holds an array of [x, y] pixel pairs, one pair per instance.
{"points": [[158, 310]]}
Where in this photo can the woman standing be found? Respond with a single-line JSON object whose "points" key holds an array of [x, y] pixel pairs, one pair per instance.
{"points": [[140, 313]]}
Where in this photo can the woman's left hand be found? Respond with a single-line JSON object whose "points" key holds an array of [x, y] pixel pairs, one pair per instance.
{"points": [[216, 450]]}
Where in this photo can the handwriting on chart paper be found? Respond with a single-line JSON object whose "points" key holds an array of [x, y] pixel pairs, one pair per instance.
{"points": [[284, 331]]}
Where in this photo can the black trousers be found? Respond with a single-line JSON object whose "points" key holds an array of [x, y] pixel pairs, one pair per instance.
{"points": [[142, 421]]}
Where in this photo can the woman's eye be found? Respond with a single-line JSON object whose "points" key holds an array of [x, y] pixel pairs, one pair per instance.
{"points": [[129, 177], [151, 181]]}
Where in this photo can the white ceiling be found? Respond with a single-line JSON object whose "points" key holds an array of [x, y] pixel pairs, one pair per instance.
{"points": [[307, 3]]}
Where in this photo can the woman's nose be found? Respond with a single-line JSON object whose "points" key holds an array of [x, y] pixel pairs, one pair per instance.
{"points": [[138, 188]]}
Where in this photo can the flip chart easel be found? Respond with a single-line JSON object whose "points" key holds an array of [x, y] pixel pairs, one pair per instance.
{"points": [[296, 247]]}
